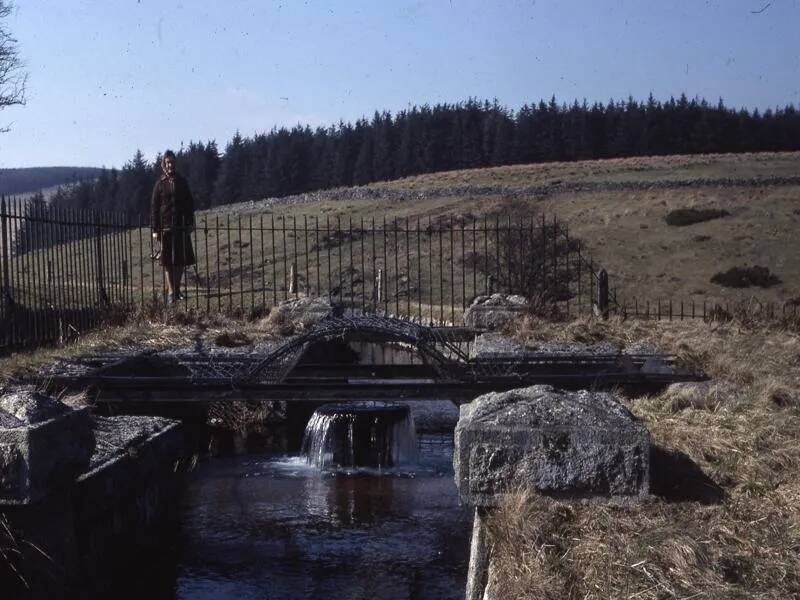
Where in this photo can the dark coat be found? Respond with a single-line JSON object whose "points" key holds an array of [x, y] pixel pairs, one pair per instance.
{"points": [[171, 203]]}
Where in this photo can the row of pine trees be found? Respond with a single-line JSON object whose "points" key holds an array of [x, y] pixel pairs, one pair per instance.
{"points": [[442, 137]]}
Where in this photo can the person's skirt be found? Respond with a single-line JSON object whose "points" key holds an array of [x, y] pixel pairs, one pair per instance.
{"points": [[176, 249]]}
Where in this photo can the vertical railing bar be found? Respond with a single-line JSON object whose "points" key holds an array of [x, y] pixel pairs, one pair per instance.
{"points": [[252, 265], [83, 233], [241, 266], [218, 274], [431, 296], [408, 272], [36, 306], [509, 256], [228, 244], [395, 227], [555, 259], [46, 249], [305, 248], [474, 259], [207, 260], [153, 263], [295, 260], [385, 286], [452, 273], [263, 263], [419, 272], [351, 268], [374, 264], [81, 277], [362, 233], [285, 258], [441, 273], [274, 263], [316, 245], [339, 237], [328, 249]]}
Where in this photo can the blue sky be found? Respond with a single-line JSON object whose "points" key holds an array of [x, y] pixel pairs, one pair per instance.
{"points": [[109, 76]]}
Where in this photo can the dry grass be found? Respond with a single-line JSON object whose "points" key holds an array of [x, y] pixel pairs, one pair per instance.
{"points": [[743, 432], [168, 330]]}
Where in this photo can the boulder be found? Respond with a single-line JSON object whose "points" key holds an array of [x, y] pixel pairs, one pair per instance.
{"points": [[563, 444], [495, 311], [299, 314], [47, 446]]}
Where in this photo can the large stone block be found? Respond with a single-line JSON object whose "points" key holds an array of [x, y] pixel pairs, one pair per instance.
{"points": [[493, 345], [495, 312], [47, 445], [563, 444]]}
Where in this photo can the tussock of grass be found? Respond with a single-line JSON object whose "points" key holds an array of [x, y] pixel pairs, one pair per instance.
{"points": [[680, 217], [742, 430]]}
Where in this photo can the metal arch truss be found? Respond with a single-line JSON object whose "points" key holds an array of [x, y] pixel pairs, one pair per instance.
{"points": [[437, 347]]}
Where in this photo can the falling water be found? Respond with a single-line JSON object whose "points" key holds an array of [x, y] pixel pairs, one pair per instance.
{"points": [[360, 434]]}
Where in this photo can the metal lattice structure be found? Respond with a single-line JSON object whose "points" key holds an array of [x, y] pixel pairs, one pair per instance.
{"points": [[436, 346]]}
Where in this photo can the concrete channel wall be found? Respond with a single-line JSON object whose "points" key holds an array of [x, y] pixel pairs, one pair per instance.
{"points": [[84, 499]]}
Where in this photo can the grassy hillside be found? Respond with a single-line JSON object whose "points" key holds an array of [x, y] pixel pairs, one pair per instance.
{"points": [[20, 181], [617, 207], [624, 226]]}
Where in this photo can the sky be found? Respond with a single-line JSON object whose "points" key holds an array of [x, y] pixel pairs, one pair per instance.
{"points": [[108, 77]]}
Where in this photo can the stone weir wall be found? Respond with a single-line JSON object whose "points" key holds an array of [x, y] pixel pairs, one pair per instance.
{"points": [[83, 500], [583, 446]]}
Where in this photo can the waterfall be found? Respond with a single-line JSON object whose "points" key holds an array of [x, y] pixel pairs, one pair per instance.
{"points": [[360, 434]]}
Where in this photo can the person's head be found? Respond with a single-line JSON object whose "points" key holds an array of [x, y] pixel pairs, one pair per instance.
{"points": [[168, 162]]}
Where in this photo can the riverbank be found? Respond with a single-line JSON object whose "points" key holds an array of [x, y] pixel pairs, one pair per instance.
{"points": [[725, 524]]}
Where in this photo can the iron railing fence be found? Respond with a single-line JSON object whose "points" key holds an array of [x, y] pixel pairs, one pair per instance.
{"points": [[64, 271]]}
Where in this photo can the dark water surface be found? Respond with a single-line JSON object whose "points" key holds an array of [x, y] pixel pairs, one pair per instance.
{"points": [[261, 526]]}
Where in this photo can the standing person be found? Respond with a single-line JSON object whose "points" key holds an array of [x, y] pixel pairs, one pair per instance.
{"points": [[172, 219]]}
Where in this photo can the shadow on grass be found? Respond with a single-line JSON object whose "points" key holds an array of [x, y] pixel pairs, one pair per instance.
{"points": [[674, 477]]}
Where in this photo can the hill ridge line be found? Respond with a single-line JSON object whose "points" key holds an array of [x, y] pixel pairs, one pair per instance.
{"points": [[372, 192]]}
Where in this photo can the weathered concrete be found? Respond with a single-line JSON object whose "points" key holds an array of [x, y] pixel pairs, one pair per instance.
{"points": [[478, 557], [577, 348], [300, 313], [44, 445], [495, 311], [566, 444], [494, 345], [81, 538]]}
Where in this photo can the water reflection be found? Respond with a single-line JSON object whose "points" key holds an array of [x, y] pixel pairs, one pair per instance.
{"points": [[273, 527]]}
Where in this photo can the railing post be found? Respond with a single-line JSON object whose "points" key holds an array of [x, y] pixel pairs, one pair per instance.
{"points": [[489, 285], [602, 294], [98, 246], [293, 279], [8, 299], [379, 287]]}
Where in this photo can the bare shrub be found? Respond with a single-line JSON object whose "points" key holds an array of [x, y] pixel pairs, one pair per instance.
{"points": [[681, 217], [743, 277]]}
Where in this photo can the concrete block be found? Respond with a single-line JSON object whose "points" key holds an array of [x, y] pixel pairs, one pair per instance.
{"points": [[493, 345], [46, 449], [299, 314], [496, 311], [562, 444]]}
